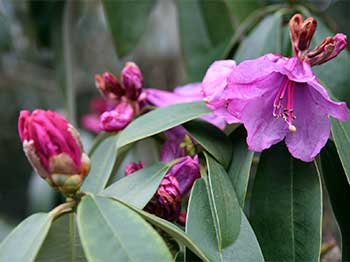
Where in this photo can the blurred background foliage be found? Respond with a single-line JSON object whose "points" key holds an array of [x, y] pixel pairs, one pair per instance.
{"points": [[48, 47]]}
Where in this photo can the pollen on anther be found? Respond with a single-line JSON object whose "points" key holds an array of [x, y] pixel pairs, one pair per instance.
{"points": [[292, 128], [205, 100]]}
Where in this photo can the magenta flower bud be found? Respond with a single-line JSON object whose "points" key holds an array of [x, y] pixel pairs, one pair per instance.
{"points": [[118, 118], [132, 80], [182, 218], [166, 203], [109, 86], [54, 149], [176, 184], [133, 167]]}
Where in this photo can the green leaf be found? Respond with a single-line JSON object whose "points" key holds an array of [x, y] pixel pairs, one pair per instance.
{"points": [[242, 9], [265, 38], [111, 231], [127, 21], [200, 227], [212, 139], [172, 230], [223, 203], [138, 189], [62, 242], [341, 136], [103, 160], [286, 207], [24, 242], [161, 119], [334, 73], [206, 28], [339, 193], [241, 162]]}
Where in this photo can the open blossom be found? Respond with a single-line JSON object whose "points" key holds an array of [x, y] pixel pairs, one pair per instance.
{"points": [[118, 118], [54, 149], [277, 97], [183, 94]]}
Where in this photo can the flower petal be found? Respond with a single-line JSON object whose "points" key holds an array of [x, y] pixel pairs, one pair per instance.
{"points": [[312, 124], [263, 129], [335, 109]]}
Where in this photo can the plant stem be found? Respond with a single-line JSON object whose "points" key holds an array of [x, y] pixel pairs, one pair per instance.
{"points": [[68, 61]]}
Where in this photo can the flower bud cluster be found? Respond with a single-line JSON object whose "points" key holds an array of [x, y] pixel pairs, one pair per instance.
{"points": [[126, 94]]}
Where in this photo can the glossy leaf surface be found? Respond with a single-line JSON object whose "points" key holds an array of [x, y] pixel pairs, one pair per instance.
{"points": [[286, 207]]}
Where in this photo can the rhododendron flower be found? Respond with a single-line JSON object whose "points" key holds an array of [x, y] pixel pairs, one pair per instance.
{"points": [[54, 149], [118, 118], [127, 95], [177, 183], [277, 97], [183, 94]]}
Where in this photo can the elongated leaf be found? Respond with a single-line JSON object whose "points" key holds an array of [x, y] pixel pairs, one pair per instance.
{"points": [[137, 189], [341, 136], [206, 28], [200, 227], [111, 231], [286, 207], [339, 193], [242, 9], [212, 140], [334, 73], [24, 242], [171, 229], [62, 242], [265, 38], [127, 21], [103, 160], [223, 203], [160, 120], [241, 162]]}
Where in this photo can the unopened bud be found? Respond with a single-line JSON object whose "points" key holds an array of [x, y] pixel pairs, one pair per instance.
{"points": [[306, 33], [54, 149], [327, 50], [133, 167], [118, 118], [132, 80], [109, 86]]}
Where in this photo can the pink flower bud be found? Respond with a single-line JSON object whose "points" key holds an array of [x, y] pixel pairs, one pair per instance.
{"points": [[133, 167], [132, 80], [118, 118], [54, 149], [109, 86]]}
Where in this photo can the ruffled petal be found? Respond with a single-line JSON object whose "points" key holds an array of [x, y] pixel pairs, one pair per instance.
{"points": [[312, 124], [335, 109]]}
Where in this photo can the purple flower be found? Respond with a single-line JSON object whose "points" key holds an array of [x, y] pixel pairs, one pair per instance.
{"points": [[183, 94], [133, 167], [118, 118], [172, 149], [280, 98]]}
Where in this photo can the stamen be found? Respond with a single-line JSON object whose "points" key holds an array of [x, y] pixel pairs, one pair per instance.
{"points": [[285, 109]]}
